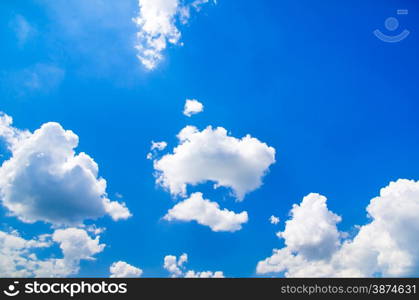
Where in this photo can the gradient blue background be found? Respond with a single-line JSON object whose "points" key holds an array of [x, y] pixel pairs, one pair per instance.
{"points": [[307, 77]]}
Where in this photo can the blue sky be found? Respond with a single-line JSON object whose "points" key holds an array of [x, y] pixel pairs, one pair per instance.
{"points": [[307, 78]]}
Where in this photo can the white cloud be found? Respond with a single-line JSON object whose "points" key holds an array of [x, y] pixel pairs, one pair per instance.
{"points": [[158, 145], [175, 266], [274, 220], [155, 147], [205, 274], [121, 269], [94, 229], [76, 244], [386, 246], [197, 3], [12, 136], [312, 231], [15, 254], [45, 180], [158, 22], [192, 107], [17, 258], [117, 210], [213, 155], [207, 213]]}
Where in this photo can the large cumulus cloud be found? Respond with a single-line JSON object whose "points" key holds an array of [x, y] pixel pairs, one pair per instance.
{"points": [[45, 180], [213, 155], [386, 246]]}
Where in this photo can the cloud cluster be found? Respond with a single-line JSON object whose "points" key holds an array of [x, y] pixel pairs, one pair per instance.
{"points": [[122, 269], [207, 213], [175, 266], [213, 155], [45, 180], [386, 246], [18, 260], [204, 274], [75, 245], [158, 22], [192, 107]]}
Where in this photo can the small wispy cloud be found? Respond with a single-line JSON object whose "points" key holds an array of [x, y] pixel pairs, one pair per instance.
{"points": [[23, 30], [40, 77]]}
